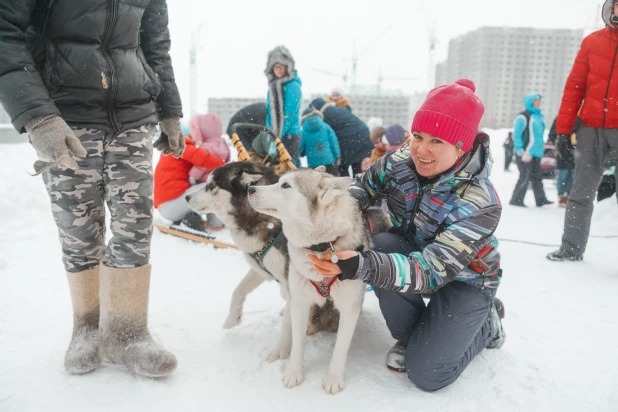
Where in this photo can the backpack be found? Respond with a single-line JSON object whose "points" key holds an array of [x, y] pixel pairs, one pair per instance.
{"points": [[525, 135]]}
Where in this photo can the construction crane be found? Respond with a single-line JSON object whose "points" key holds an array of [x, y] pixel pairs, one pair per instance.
{"points": [[382, 78], [356, 56], [344, 77], [430, 25]]}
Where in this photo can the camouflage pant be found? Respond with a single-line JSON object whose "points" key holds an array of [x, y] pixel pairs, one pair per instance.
{"points": [[118, 171]]}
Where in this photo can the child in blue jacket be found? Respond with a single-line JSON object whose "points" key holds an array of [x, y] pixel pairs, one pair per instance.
{"points": [[319, 143]]}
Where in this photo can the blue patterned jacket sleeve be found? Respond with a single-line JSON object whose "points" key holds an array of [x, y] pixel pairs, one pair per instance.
{"points": [[371, 184], [439, 263]]}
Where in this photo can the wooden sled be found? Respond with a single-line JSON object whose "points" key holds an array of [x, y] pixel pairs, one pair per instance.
{"points": [[195, 236], [285, 160]]}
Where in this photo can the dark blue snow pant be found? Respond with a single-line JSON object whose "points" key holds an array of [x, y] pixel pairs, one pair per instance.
{"points": [[442, 337]]}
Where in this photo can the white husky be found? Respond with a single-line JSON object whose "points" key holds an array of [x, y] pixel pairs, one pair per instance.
{"points": [[317, 213]]}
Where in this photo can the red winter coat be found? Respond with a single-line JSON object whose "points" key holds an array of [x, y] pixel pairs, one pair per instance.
{"points": [[593, 80], [171, 177]]}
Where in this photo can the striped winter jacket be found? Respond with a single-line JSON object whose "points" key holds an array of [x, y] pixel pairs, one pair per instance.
{"points": [[452, 221]]}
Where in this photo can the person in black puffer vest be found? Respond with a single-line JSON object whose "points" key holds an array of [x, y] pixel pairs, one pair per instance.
{"points": [[89, 81]]}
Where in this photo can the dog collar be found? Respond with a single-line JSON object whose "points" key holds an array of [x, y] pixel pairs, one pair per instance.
{"points": [[325, 246]]}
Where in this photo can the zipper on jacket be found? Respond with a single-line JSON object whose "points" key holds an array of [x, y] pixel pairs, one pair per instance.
{"points": [[608, 84], [112, 83], [43, 27]]}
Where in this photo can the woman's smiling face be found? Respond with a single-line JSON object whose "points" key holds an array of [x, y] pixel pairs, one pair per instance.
{"points": [[432, 156]]}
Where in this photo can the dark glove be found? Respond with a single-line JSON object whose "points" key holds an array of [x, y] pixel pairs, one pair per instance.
{"points": [[171, 140], [54, 142], [338, 161], [348, 267]]}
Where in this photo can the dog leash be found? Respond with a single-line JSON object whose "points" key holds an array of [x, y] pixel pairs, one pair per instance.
{"points": [[260, 254]]}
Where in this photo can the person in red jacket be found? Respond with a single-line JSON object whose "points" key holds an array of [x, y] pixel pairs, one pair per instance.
{"points": [[171, 183], [592, 87]]}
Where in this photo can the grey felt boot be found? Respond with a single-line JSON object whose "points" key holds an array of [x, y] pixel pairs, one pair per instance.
{"points": [[83, 353], [124, 335]]}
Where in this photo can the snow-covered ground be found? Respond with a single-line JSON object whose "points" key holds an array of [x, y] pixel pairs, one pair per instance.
{"points": [[561, 353]]}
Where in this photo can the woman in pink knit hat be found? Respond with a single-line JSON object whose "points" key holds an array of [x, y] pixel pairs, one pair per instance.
{"points": [[444, 212]]}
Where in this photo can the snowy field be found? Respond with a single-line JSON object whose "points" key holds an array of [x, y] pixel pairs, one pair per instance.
{"points": [[561, 352]]}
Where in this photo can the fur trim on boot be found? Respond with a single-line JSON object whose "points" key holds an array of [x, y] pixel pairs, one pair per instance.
{"points": [[125, 339], [83, 353]]}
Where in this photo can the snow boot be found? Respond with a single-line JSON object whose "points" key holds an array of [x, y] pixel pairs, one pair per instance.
{"points": [[515, 203], [562, 201], [396, 357], [193, 221], [561, 255], [496, 314], [124, 336], [83, 353], [544, 202]]}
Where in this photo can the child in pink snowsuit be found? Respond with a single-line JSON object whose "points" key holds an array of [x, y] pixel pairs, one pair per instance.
{"points": [[206, 132]]}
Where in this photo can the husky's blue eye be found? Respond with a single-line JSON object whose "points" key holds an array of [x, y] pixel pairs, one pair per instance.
{"points": [[285, 185]]}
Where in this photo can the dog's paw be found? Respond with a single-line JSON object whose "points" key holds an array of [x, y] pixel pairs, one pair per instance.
{"points": [[332, 383], [278, 353], [231, 321], [293, 378]]}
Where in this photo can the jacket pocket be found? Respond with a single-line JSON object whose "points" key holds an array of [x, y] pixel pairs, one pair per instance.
{"points": [[152, 85]]}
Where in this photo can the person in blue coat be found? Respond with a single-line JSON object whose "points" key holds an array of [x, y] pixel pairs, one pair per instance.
{"points": [[352, 134], [283, 99], [319, 142], [529, 147]]}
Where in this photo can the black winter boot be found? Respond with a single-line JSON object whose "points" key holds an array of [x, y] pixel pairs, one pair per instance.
{"points": [[496, 314], [561, 255], [396, 357], [193, 221]]}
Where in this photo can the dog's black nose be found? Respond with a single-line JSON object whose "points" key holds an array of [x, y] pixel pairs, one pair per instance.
{"points": [[188, 197], [252, 189]]}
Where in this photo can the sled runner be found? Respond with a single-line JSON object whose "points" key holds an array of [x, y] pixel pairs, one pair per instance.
{"points": [[194, 235]]}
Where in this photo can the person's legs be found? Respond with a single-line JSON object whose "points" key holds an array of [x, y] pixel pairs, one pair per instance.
{"points": [[332, 169], [344, 169], [611, 136], [401, 311], [125, 274], [78, 209], [569, 181], [536, 179], [177, 209], [455, 327], [561, 183], [592, 149], [292, 145], [521, 187], [357, 168]]}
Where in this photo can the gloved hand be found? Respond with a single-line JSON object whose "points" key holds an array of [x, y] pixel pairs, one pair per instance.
{"points": [[171, 140], [338, 161], [519, 152], [54, 142], [526, 157]]}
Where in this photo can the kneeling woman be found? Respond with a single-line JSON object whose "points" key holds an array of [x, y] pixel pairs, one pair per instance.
{"points": [[444, 211]]}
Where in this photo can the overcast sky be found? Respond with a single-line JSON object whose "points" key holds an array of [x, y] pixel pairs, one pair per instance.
{"points": [[235, 37]]}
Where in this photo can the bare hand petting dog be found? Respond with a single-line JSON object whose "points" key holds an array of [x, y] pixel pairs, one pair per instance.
{"points": [[343, 268]]}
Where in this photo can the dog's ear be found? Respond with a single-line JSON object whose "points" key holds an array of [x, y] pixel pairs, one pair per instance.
{"points": [[248, 179], [321, 169], [334, 187]]}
